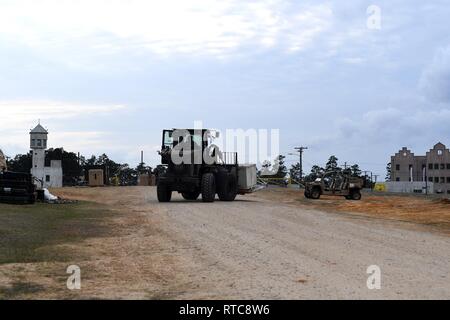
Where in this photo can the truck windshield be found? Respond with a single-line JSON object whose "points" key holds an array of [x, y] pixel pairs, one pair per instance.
{"points": [[168, 139]]}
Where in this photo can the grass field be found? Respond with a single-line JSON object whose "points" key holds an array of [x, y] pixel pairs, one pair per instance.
{"points": [[37, 234]]}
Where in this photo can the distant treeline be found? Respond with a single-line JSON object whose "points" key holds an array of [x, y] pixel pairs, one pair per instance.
{"points": [[74, 166]]}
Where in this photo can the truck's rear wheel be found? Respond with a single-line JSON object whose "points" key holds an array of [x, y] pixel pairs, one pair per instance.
{"points": [[208, 187], [228, 187], [356, 195], [307, 195], [164, 193], [193, 195]]}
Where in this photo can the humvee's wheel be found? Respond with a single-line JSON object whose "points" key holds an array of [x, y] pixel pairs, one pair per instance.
{"points": [[228, 187], [307, 194], [315, 193], [164, 193], [191, 195], [356, 195], [208, 187]]}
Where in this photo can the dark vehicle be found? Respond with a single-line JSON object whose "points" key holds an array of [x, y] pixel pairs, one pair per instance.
{"points": [[335, 183], [194, 176], [17, 188]]}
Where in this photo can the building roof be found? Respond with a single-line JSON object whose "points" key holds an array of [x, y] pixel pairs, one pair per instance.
{"points": [[39, 129], [439, 145]]}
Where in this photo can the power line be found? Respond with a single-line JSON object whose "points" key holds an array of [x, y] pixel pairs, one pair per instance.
{"points": [[300, 151]]}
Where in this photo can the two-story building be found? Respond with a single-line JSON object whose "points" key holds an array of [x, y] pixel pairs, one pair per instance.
{"points": [[433, 167]]}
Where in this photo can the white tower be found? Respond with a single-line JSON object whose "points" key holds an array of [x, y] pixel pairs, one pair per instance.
{"points": [[38, 144], [47, 176]]}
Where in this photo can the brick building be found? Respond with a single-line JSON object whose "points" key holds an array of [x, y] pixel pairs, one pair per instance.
{"points": [[433, 167]]}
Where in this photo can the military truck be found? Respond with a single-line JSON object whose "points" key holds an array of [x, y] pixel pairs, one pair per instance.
{"points": [[335, 183], [15, 187], [192, 165]]}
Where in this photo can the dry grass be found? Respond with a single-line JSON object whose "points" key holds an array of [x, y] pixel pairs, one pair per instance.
{"points": [[410, 208], [129, 258]]}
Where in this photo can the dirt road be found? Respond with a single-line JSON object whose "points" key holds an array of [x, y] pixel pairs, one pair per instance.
{"points": [[256, 248]]}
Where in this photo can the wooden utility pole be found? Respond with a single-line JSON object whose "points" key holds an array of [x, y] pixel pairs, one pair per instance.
{"points": [[300, 152]]}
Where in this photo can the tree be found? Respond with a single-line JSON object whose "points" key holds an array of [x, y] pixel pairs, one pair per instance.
{"points": [[388, 172], [113, 168], [142, 168], [127, 176], [355, 171], [294, 171], [316, 172], [91, 161], [282, 170], [268, 170], [332, 164], [20, 163]]}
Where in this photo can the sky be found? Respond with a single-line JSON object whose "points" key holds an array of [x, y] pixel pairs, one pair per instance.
{"points": [[356, 79]]}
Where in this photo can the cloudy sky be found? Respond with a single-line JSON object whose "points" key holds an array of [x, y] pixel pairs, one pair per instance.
{"points": [[108, 76]]}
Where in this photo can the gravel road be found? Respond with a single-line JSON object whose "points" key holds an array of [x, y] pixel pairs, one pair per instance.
{"points": [[255, 248]]}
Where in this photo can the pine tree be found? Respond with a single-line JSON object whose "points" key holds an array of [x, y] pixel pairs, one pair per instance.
{"points": [[388, 172], [332, 164]]}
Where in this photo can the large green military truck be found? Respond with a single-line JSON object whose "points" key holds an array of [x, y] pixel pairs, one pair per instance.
{"points": [[202, 168]]}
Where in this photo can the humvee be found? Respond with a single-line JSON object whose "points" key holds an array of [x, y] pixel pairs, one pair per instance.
{"points": [[335, 183]]}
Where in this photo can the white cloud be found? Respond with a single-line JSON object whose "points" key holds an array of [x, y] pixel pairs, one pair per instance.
{"points": [[18, 117], [162, 27], [24, 114], [435, 80]]}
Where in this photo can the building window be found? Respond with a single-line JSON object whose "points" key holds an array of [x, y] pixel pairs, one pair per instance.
{"points": [[430, 179], [397, 179], [440, 152], [448, 166], [442, 166], [47, 178], [39, 142], [448, 191], [442, 180], [397, 167], [436, 179], [430, 166], [436, 166], [448, 179]]}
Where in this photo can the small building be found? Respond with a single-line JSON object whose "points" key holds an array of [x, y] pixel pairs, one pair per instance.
{"points": [[143, 180], [432, 168], [146, 179], [96, 178], [47, 176]]}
